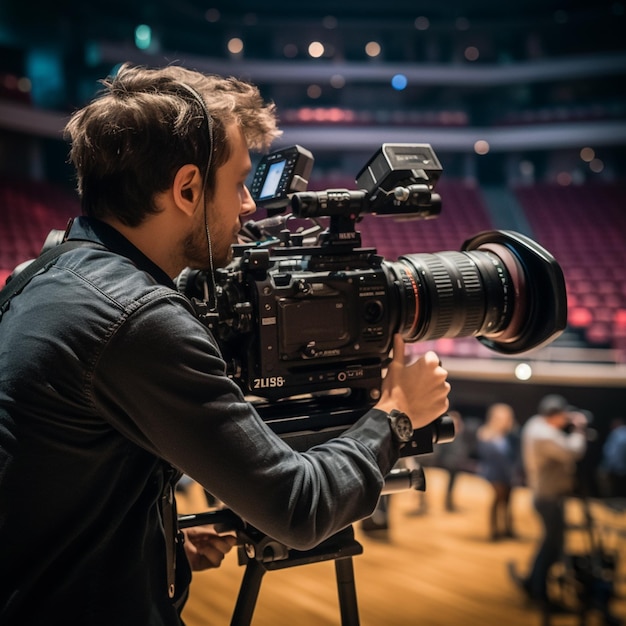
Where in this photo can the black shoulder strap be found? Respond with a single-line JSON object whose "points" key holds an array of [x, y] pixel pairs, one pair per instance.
{"points": [[15, 285]]}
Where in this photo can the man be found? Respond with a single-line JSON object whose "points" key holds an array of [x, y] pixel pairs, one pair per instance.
{"points": [[552, 442], [110, 387]]}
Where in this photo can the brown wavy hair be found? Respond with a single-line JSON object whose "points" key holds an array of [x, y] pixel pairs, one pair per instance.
{"points": [[129, 142]]}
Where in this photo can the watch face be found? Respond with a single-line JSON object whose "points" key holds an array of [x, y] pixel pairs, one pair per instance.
{"points": [[401, 426], [404, 428]]}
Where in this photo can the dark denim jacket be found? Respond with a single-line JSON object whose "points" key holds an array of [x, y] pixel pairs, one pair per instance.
{"points": [[107, 380]]}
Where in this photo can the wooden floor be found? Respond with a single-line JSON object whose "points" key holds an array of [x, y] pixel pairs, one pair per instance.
{"points": [[433, 569]]}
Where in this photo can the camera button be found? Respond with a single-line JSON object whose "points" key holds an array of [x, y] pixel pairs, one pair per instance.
{"points": [[282, 279]]}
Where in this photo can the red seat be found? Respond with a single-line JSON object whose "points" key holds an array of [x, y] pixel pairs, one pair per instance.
{"points": [[580, 317]]}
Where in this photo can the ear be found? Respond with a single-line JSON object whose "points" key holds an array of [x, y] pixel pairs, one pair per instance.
{"points": [[187, 188]]}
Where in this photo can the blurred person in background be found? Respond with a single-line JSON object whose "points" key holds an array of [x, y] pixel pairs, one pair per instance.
{"points": [[552, 443], [613, 464], [454, 457], [498, 453]]}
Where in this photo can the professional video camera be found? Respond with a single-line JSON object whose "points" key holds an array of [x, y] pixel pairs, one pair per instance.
{"points": [[305, 318]]}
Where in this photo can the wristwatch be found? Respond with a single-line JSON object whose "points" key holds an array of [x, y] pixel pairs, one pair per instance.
{"points": [[401, 426]]}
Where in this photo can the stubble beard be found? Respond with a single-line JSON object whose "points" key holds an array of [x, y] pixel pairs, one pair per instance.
{"points": [[197, 252]]}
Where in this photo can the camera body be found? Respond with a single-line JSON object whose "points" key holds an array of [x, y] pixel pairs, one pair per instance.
{"points": [[302, 323]]}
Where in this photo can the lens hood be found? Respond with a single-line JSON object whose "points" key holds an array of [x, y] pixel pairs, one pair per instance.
{"points": [[539, 286]]}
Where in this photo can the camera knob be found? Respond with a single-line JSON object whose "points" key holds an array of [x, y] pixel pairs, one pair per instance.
{"points": [[303, 286], [310, 351]]}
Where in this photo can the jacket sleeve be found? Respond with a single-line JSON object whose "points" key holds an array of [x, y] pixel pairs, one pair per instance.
{"points": [[161, 382]]}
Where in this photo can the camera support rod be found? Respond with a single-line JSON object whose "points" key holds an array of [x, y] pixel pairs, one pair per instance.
{"points": [[397, 480]]}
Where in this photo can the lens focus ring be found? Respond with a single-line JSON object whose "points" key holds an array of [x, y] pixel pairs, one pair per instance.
{"points": [[448, 294]]}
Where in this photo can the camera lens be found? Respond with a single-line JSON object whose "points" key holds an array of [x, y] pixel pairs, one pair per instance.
{"points": [[459, 294]]}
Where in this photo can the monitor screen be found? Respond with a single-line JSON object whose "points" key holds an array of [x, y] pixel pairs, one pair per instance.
{"points": [[270, 185]]}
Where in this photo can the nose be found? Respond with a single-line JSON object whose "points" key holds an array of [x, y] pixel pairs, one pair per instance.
{"points": [[248, 205]]}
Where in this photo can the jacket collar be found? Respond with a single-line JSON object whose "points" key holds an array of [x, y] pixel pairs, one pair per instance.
{"points": [[91, 229]]}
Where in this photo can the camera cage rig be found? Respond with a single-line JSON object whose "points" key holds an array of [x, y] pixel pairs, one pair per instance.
{"points": [[319, 280]]}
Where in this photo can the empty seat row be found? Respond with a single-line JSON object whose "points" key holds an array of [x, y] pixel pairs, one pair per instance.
{"points": [[583, 227]]}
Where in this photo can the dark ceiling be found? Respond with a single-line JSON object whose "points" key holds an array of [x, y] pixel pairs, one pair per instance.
{"points": [[184, 23], [179, 12]]}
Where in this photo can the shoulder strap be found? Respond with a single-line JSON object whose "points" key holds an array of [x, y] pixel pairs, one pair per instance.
{"points": [[15, 285]]}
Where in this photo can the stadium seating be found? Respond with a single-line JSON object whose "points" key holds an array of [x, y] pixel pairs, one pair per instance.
{"points": [[28, 211], [583, 226]]}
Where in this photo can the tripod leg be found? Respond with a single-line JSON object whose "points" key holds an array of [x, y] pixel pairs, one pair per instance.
{"points": [[248, 593], [347, 592]]}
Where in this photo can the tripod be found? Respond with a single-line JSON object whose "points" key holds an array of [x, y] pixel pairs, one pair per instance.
{"points": [[260, 553]]}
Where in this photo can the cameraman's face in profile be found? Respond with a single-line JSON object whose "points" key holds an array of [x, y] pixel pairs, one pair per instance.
{"points": [[229, 204]]}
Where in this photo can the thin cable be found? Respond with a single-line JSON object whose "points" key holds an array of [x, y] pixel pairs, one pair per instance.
{"points": [[211, 297]]}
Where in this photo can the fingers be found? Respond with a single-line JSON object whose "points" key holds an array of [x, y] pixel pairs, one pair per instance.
{"points": [[398, 349], [215, 549], [439, 385], [431, 358], [211, 554], [399, 352], [419, 389], [206, 549]]}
